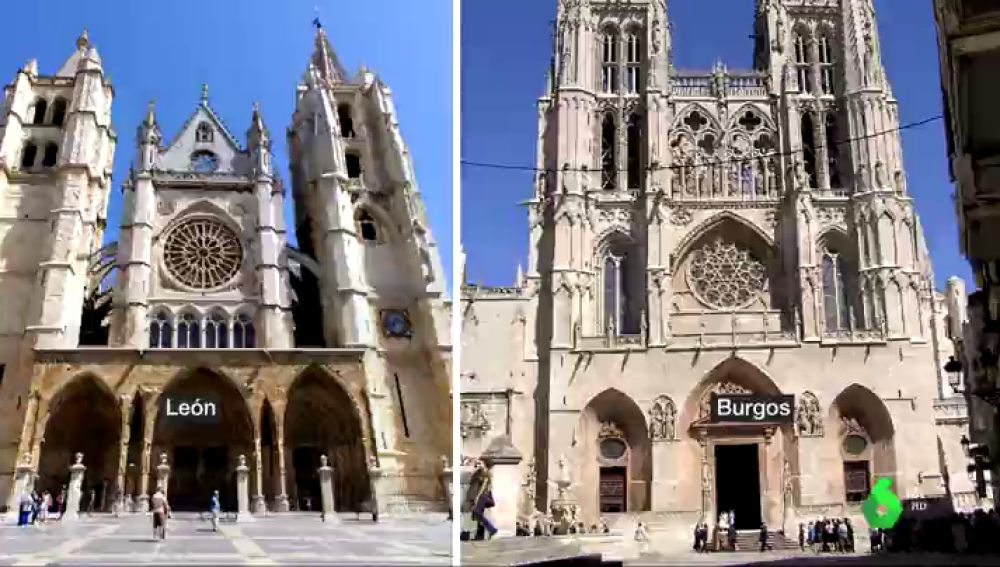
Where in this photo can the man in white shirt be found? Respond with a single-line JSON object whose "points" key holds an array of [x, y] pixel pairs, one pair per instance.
{"points": [[161, 511]]}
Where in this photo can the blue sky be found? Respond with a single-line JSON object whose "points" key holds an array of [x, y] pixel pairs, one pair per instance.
{"points": [[252, 50], [503, 77]]}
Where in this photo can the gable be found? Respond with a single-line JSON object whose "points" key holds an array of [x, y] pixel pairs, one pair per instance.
{"points": [[204, 135]]}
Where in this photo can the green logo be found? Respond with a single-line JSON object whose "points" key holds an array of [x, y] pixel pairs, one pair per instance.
{"points": [[882, 508]]}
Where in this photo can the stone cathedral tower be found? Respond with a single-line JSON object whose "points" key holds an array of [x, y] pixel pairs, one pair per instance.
{"points": [[735, 231]]}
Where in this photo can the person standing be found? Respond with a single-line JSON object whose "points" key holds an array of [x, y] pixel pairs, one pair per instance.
{"points": [[161, 511], [480, 496], [24, 509], [91, 499], [802, 537], [642, 538], [43, 508], [732, 533], [213, 508], [764, 545]]}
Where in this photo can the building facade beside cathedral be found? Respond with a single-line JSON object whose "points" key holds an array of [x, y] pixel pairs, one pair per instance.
{"points": [[337, 347], [722, 231]]}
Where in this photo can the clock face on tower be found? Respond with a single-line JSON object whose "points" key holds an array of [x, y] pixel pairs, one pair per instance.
{"points": [[395, 323]]}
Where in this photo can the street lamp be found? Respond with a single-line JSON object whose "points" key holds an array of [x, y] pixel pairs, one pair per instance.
{"points": [[954, 370]]}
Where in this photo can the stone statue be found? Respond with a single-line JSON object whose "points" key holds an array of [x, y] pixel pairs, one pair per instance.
{"points": [[78, 459], [243, 460], [163, 458], [809, 422], [661, 419], [323, 461], [656, 419], [670, 415]]}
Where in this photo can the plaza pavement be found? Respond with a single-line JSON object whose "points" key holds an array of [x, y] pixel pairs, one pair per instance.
{"points": [[273, 540]]}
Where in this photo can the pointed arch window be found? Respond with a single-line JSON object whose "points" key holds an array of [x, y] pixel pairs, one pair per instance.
{"points": [[833, 143], [346, 121], [367, 226], [809, 146], [59, 112], [28, 155], [839, 291], [609, 142], [188, 332], [204, 133], [802, 61], [51, 155], [635, 142], [825, 65], [243, 332], [41, 107], [609, 60], [216, 332], [619, 314], [633, 62], [160, 331], [353, 163]]}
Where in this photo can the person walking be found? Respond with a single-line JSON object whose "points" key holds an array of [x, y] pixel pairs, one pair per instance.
{"points": [[764, 544], [25, 505], [802, 537], [480, 496], [213, 508], [161, 511], [642, 538], [732, 534], [43, 508]]}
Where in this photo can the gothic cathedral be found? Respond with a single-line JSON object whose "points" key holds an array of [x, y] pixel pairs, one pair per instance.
{"points": [[723, 231], [335, 350]]}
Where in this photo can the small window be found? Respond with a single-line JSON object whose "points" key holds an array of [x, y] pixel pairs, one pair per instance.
{"points": [[216, 333], [204, 162], [613, 449], [855, 445], [243, 332], [59, 112], [353, 165], [28, 155], [203, 133], [346, 122], [856, 481], [41, 107], [367, 226], [51, 155], [160, 332]]}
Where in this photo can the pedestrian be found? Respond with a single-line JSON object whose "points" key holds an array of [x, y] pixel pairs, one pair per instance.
{"points": [[764, 544], [213, 508], [642, 538], [732, 533], [850, 535], [828, 535], [24, 509], [43, 508], [161, 511], [480, 496], [802, 537], [697, 536], [841, 536], [35, 503], [61, 502], [91, 499]]}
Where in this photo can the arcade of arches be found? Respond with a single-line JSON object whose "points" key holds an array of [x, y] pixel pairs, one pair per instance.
{"points": [[671, 457], [280, 418]]}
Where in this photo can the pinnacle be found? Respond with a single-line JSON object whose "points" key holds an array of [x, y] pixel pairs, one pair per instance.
{"points": [[83, 42], [204, 93]]}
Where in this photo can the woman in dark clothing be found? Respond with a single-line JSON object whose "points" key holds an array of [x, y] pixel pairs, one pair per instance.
{"points": [[480, 497]]}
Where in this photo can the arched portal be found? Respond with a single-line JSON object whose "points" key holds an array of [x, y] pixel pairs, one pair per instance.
{"points": [[203, 452], [321, 419], [744, 467], [84, 418], [865, 436], [612, 456]]}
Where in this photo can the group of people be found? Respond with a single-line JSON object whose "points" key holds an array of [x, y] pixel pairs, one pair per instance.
{"points": [[977, 532], [827, 535], [725, 535], [35, 508]]}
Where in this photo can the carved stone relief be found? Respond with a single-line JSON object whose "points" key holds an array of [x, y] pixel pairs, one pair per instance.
{"points": [[474, 422], [808, 416], [662, 419], [724, 388]]}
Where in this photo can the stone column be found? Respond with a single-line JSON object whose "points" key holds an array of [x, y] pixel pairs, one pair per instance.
{"points": [[282, 499], [259, 505], [163, 474], [24, 480], [326, 491], [242, 491], [125, 406], [504, 459], [151, 405], [75, 489]]}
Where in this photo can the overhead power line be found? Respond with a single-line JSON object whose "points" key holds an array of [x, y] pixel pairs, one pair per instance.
{"points": [[491, 165]]}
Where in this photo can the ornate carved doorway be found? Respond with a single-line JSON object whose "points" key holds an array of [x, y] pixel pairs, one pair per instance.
{"points": [[737, 483]]}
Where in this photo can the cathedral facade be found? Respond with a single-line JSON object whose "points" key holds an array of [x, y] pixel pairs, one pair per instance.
{"points": [[716, 232], [337, 347]]}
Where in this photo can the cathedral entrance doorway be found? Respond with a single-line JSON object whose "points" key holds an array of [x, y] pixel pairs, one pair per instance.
{"points": [[203, 453], [613, 490], [737, 483], [85, 418], [322, 420]]}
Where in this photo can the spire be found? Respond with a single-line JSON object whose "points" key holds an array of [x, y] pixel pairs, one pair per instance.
{"points": [[258, 131], [83, 42], [324, 58], [149, 130], [204, 93]]}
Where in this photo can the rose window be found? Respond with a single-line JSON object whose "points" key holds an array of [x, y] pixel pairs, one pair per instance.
{"points": [[202, 253], [725, 275]]}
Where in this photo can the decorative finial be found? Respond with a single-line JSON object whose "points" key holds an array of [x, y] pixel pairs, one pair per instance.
{"points": [[256, 107], [151, 112], [83, 42], [316, 22], [204, 92]]}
